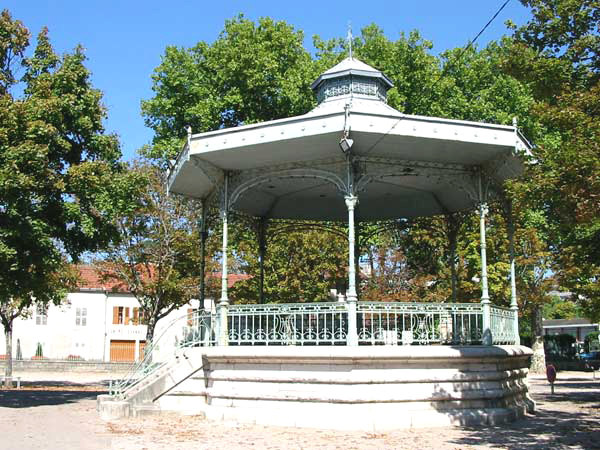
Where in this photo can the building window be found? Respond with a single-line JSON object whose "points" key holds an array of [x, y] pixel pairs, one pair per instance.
{"points": [[121, 315], [191, 312], [41, 315], [81, 317], [138, 316]]}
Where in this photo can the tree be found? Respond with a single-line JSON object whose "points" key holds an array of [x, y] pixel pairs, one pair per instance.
{"points": [[301, 265], [57, 168], [561, 309], [251, 73], [557, 54], [389, 276], [155, 254], [534, 279], [217, 85], [16, 307]]}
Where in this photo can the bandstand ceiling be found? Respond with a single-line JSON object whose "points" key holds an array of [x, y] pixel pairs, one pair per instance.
{"points": [[404, 166]]}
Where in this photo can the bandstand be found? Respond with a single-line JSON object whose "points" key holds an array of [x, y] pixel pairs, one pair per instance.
{"points": [[349, 364]]}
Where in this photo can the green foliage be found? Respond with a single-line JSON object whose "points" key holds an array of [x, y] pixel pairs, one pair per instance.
{"points": [[591, 337], [558, 308], [251, 73], [14, 39], [156, 252], [300, 266], [560, 347], [260, 71], [39, 351], [57, 168], [556, 54]]}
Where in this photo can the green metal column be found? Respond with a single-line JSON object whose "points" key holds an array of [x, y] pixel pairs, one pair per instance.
{"points": [[223, 334], [514, 306], [351, 297], [203, 236], [485, 297], [262, 247]]}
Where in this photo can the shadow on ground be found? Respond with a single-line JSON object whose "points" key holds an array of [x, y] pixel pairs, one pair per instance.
{"points": [[27, 398], [555, 424]]}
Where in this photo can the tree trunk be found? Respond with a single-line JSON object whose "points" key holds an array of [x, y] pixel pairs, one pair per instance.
{"points": [[357, 258], [8, 371], [453, 226], [538, 360], [148, 348], [150, 329], [453, 276], [203, 236]]}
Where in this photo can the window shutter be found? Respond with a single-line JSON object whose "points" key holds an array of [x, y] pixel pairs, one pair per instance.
{"points": [[136, 315], [126, 321], [115, 315]]}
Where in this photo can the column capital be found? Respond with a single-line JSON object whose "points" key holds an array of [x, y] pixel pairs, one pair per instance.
{"points": [[351, 201], [483, 209]]}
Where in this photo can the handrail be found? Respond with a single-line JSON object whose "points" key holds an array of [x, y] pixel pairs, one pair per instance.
{"points": [[189, 330], [502, 325], [288, 324], [393, 323], [378, 323]]}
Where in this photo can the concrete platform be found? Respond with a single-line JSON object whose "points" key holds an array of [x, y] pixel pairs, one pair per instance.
{"points": [[345, 388], [361, 388]]}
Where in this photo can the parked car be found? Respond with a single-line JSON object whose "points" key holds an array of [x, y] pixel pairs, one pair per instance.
{"points": [[591, 360]]}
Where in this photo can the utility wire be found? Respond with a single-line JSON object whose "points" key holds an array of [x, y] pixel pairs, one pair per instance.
{"points": [[444, 70]]}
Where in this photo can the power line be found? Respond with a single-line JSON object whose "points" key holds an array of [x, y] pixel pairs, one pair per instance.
{"points": [[442, 73]]}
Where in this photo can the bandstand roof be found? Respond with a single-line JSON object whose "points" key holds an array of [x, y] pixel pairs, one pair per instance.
{"points": [[403, 165]]}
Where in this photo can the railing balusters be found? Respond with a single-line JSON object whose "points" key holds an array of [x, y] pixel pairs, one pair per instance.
{"points": [[387, 323], [378, 323]]}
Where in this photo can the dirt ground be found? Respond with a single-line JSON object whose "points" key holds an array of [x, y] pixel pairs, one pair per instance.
{"points": [[54, 411]]}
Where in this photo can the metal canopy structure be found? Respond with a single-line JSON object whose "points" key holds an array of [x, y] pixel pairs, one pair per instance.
{"points": [[352, 146], [400, 166]]}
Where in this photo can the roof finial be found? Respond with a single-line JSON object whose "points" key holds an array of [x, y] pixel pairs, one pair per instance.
{"points": [[350, 39]]}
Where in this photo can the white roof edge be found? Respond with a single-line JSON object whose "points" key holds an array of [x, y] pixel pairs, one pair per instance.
{"points": [[357, 72], [440, 120], [255, 126], [309, 116], [350, 62], [172, 173], [525, 141]]}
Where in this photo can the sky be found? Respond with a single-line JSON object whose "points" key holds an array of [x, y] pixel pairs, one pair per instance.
{"points": [[124, 40]]}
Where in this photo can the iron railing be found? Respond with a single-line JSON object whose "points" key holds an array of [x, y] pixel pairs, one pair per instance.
{"points": [[378, 323], [420, 323], [502, 325], [288, 324], [190, 330]]}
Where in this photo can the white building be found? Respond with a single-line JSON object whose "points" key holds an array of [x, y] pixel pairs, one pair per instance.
{"points": [[579, 328], [99, 322]]}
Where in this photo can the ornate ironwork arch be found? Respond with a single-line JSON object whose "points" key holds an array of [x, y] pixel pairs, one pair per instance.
{"points": [[325, 175]]}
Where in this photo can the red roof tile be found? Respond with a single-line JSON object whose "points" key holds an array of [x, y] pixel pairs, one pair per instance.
{"points": [[90, 279]]}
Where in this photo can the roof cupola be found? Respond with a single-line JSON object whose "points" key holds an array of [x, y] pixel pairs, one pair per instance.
{"points": [[351, 78]]}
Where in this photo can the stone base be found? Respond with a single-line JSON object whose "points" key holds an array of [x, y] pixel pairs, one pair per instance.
{"points": [[114, 410], [356, 388]]}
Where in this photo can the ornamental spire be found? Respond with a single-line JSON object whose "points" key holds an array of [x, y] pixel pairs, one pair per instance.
{"points": [[350, 39]]}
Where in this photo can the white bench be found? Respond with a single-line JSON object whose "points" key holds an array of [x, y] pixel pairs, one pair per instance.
{"points": [[2, 378]]}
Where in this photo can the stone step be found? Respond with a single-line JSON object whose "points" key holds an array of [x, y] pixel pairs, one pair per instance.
{"points": [[183, 393], [145, 409], [114, 410]]}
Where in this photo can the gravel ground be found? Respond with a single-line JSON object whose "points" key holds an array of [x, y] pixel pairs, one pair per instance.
{"points": [[57, 412]]}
